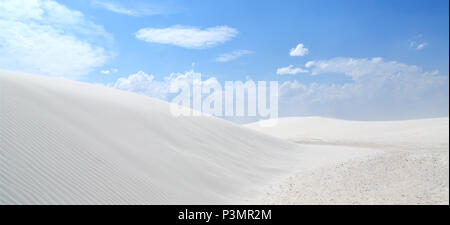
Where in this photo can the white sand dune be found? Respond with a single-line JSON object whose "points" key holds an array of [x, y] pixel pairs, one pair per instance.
{"points": [[430, 133], [412, 166], [65, 142]]}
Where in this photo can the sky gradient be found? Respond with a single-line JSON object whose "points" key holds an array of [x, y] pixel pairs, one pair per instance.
{"points": [[368, 60]]}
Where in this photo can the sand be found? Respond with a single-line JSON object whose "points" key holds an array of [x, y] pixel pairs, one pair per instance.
{"points": [[67, 142], [411, 167]]}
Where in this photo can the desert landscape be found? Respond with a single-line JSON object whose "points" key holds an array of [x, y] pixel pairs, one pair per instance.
{"points": [[411, 165], [68, 142]]}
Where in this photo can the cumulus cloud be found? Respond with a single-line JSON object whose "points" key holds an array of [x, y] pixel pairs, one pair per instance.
{"points": [[43, 36], [375, 89], [300, 50], [187, 37], [142, 83], [290, 70], [145, 84], [116, 7], [378, 89], [226, 57]]}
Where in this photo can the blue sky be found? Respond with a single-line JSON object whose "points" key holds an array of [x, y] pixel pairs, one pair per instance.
{"points": [[270, 28], [406, 34]]}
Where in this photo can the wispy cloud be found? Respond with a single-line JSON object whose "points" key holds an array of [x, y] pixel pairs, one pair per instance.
{"points": [[417, 42], [112, 70], [187, 37], [116, 7], [226, 57], [46, 37], [418, 46], [291, 70], [299, 50]]}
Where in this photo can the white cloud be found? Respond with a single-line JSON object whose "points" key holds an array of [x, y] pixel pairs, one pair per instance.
{"points": [[300, 50], [417, 46], [142, 83], [378, 90], [226, 57], [421, 46], [43, 36], [116, 7], [363, 68], [145, 84], [309, 64], [112, 70], [375, 89], [290, 70], [417, 42], [187, 37]]}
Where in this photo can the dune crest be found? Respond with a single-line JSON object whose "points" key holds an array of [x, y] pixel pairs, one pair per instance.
{"points": [[65, 142], [69, 142]]}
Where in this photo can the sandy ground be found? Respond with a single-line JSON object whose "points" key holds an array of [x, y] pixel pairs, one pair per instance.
{"points": [[411, 167], [66, 142]]}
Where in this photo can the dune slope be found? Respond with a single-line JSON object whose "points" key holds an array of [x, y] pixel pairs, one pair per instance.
{"points": [[429, 133], [412, 166], [65, 142]]}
